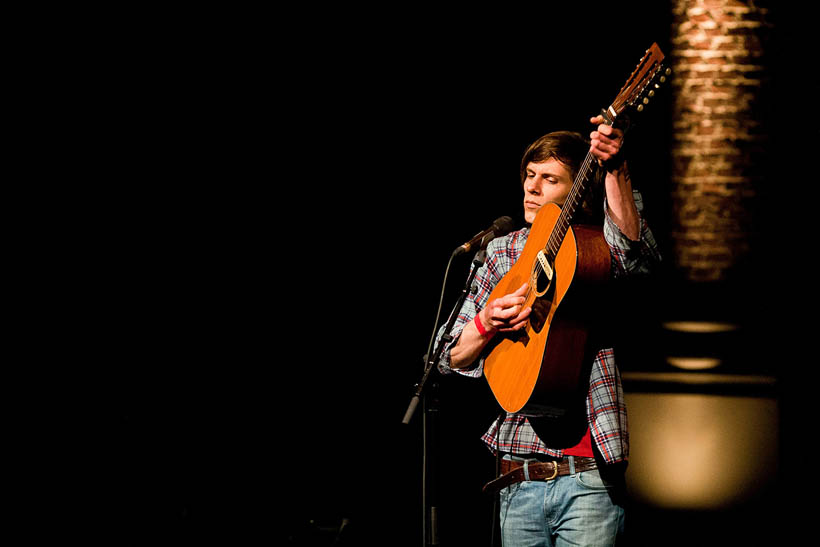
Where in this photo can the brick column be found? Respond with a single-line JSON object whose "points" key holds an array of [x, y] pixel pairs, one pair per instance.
{"points": [[719, 143]]}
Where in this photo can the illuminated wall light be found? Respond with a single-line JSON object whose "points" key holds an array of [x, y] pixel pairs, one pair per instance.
{"points": [[700, 452], [700, 326], [697, 327], [694, 363]]}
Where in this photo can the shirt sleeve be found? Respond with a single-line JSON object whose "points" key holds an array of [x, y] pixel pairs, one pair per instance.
{"points": [[631, 257], [497, 263]]}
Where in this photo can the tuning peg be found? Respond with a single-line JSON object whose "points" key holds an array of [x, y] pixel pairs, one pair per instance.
{"points": [[640, 108], [645, 100], [651, 93]]}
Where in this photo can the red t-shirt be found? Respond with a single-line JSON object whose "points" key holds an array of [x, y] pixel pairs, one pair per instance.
{"points": [[583, 448]]}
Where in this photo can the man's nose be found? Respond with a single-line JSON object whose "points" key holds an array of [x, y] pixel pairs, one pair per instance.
{"points": [[531, 187]]}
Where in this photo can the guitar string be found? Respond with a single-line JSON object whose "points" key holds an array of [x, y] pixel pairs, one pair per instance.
{"points": [[554, 242]]}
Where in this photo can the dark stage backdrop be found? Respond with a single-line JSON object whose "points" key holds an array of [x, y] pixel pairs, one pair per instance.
{"points": [[264, 404]]}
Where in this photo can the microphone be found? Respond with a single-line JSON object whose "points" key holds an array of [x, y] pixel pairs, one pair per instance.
{"points": [[501, 226]]}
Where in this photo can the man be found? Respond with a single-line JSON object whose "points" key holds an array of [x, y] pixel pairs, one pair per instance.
{"points": [[567, 493]]}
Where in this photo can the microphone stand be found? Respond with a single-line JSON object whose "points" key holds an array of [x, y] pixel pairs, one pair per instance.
{"points": [[431, 408]]}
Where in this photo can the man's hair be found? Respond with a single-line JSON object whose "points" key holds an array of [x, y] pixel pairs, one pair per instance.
{"points": [[570, 148]]}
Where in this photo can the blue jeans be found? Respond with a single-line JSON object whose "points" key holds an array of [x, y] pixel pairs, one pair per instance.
{"points": [[577, 509]]}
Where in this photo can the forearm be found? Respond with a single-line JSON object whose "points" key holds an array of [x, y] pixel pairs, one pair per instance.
{"points": [[469, 345], [631, 255], [621, 205]]}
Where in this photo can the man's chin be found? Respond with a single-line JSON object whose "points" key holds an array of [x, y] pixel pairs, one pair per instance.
{"points": [[529, 216]]}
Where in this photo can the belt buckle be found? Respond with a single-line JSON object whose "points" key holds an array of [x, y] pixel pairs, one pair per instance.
{"points": [[554, 471]]}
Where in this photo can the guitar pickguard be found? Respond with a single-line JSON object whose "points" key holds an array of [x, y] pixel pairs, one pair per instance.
{"points": [[540, 312]]}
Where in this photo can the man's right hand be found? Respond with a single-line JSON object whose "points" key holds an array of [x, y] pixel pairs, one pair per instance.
{"points": [[507, 313]]}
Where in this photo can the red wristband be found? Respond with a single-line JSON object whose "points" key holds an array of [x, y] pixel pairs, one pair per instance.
{"points": [[481, 330]]}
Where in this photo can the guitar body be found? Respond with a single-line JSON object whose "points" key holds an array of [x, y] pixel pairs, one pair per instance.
{"points": [[539, 370]]}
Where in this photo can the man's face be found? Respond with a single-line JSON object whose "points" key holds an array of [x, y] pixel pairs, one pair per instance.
{"points": [[545, 182]]}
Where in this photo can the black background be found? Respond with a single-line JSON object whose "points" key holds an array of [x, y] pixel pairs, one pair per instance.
{"points": [[284, 314]]}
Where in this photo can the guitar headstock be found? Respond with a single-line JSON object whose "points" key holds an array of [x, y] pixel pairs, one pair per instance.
{"points": [[641, 84]]}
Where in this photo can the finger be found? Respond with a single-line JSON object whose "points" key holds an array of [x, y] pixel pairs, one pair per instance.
{"points": [[519, 322], [516, 328], [522, 290], [515, 298], [596, 140], [523, 316], [520, 326], [606, 138], [597, 119], [604, 147], [610, 131], [508, 313], [596, 149]]}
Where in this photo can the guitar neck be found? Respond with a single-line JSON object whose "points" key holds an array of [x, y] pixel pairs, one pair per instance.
{"points": [[574, 199], [576, 194], [637, 90]]}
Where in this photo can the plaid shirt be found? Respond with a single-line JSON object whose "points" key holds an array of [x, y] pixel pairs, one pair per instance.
{"points": [[606, 409]]}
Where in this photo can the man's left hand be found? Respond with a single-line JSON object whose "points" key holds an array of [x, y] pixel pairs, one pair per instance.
{"points": [[605, 143]]}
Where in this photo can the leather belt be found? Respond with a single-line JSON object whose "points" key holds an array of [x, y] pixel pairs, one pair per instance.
{"points": [[513, 471]]}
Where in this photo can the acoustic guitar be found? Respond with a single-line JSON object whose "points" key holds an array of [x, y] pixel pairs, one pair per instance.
{"points": [[538, 371]]}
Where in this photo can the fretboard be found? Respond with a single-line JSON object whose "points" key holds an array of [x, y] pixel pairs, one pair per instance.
{"points": [[574, 199]]}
